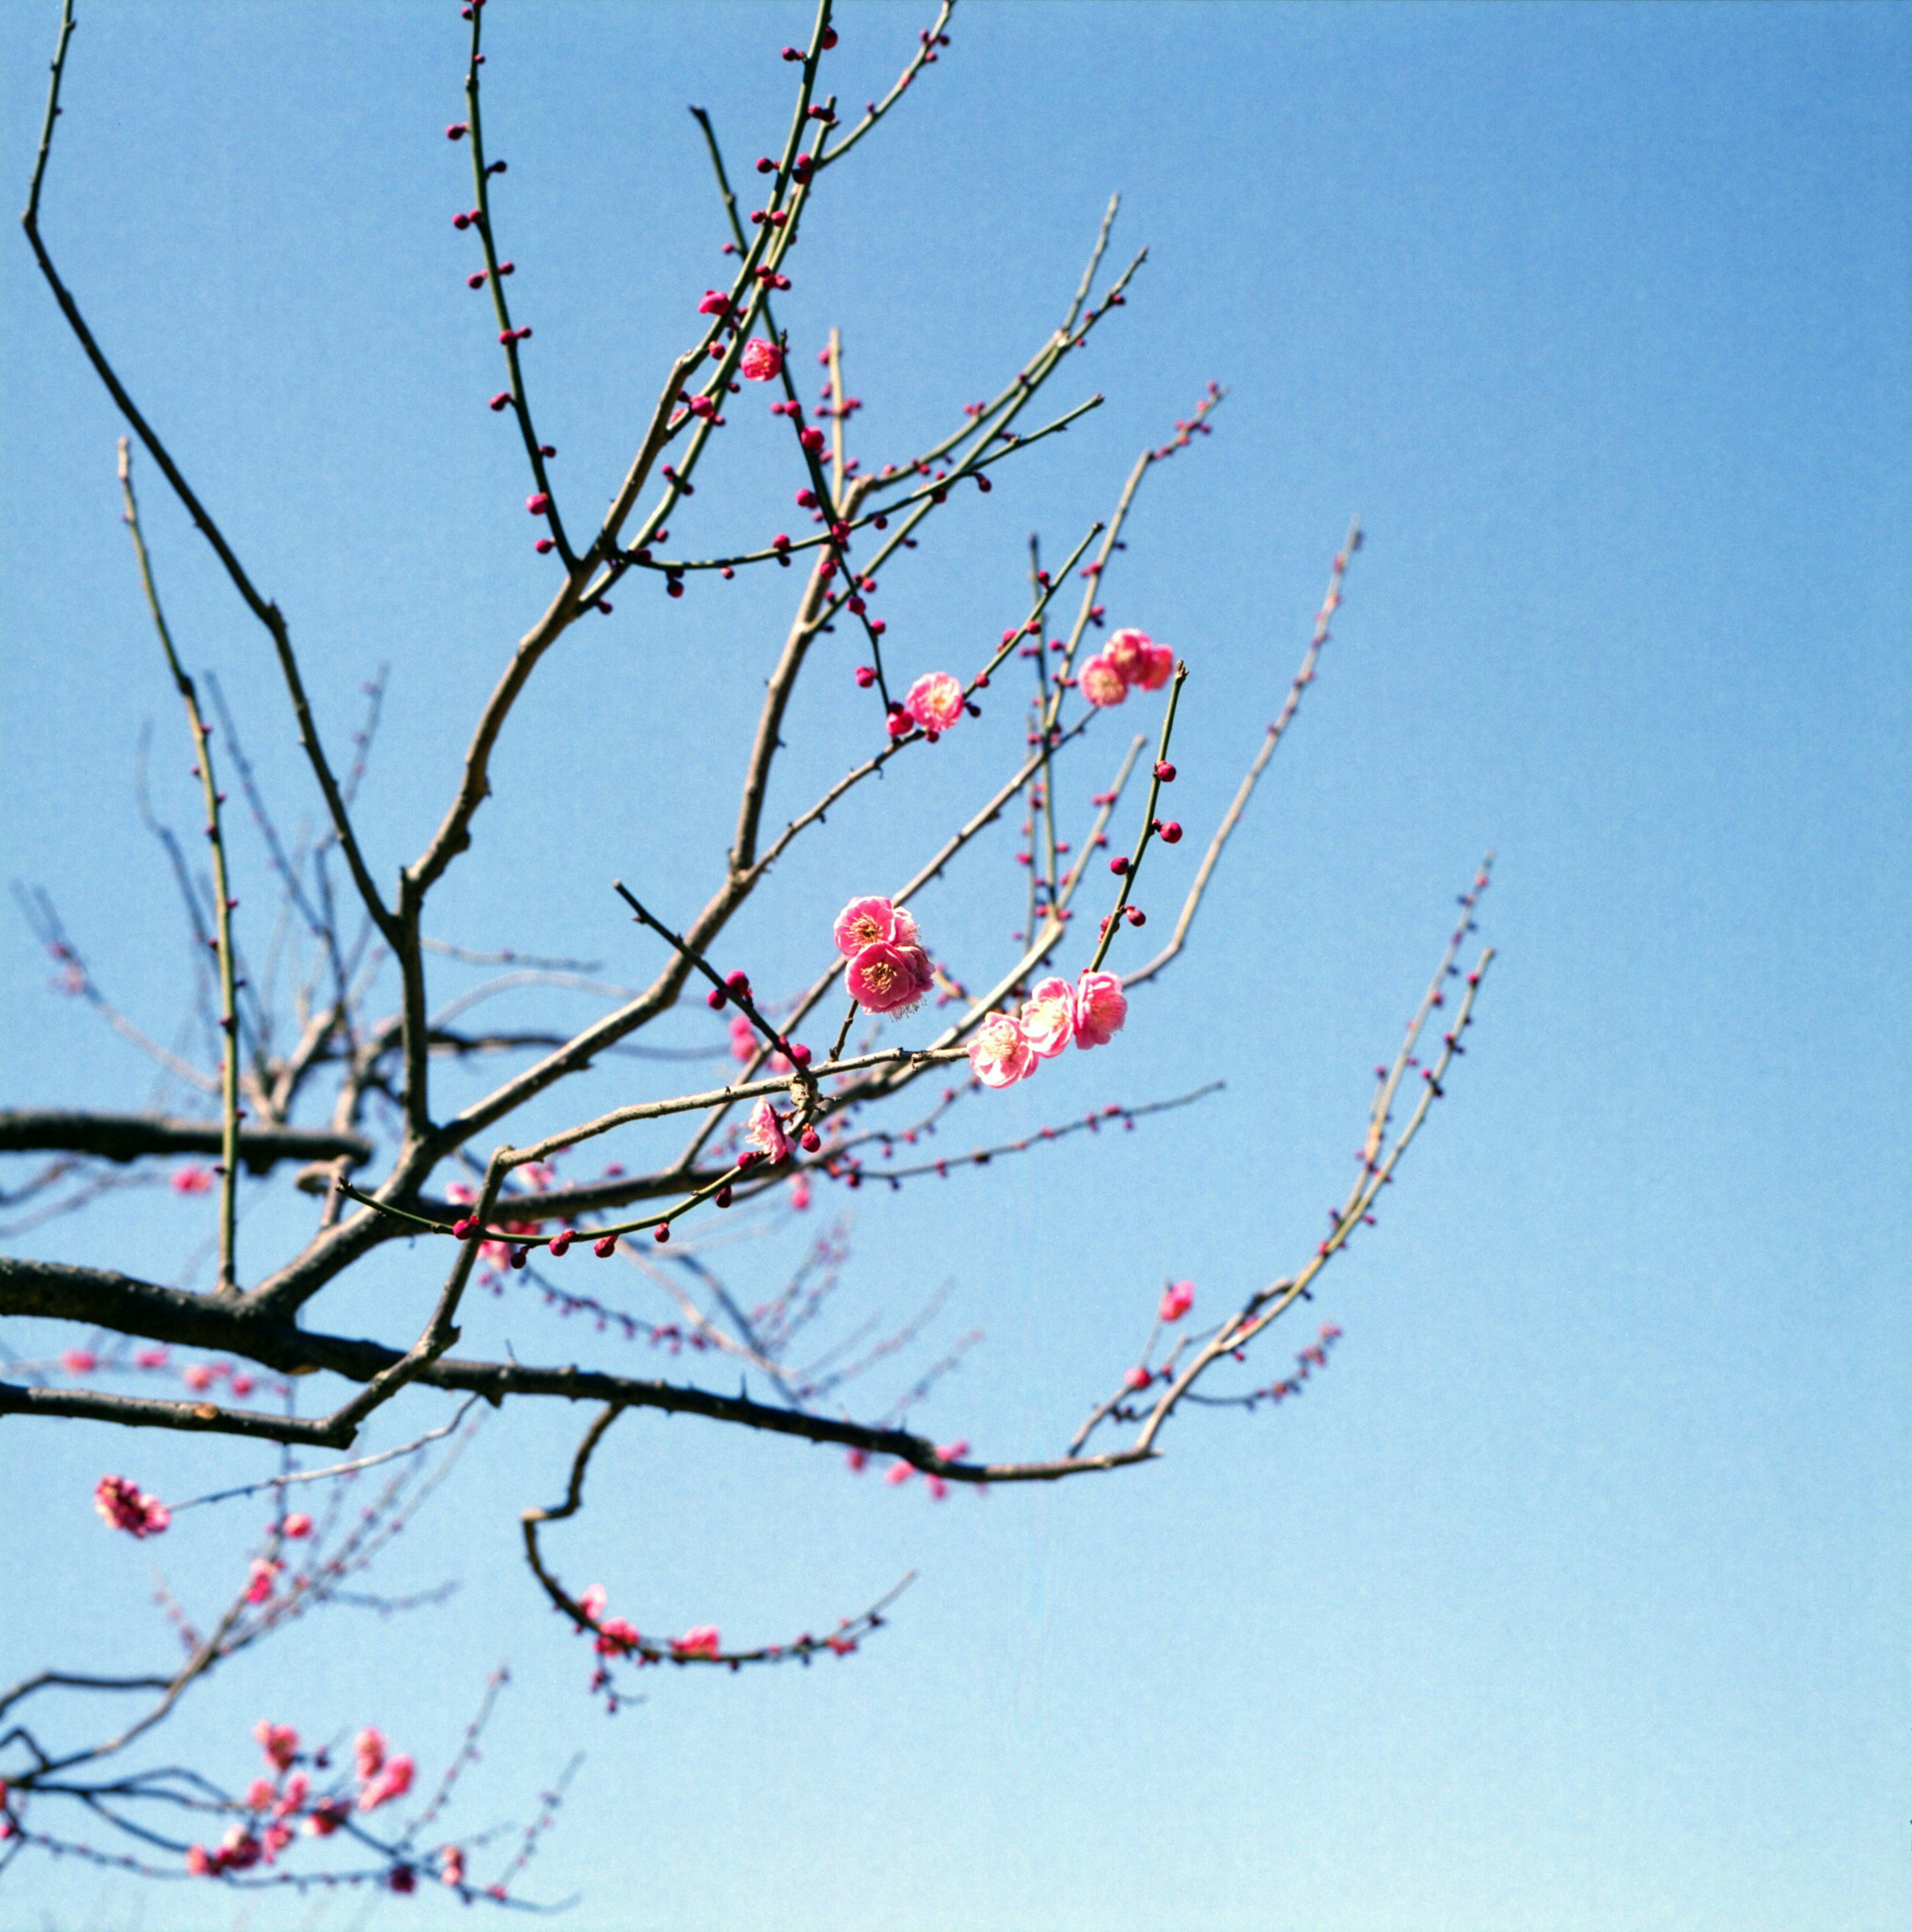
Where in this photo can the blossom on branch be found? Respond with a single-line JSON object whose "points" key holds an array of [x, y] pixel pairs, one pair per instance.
{"points": [[934, 701], [889, 979], [1001, 1054], [122, 1506], [1101, 1007], [761, 362], [1048, 1018], [1101, 683]]}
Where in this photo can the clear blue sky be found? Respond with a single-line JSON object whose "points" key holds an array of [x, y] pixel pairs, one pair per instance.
{"points": [[1575, 1595]]}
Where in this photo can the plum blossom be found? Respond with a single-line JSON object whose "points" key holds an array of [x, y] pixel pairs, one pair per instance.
{"points": [[368, 1747], [293, 1796], [766, 1134], [1100, 683], [280, 1742], [934, 701], [872, 922], [452, 1865], [1001, 1054], [198, 1376], [1048, 1018], [259, 1794], [616, 1637], [79, 1361], [393, 1781], [1125, 652], [1177, 1301], [591, 1601], [888, 978], [703, 1641], [193, 1180], [275, 1838], [799, 1192], [327, 1817], [761, 361], [122, 1505], [297, 1525], [260, 1579], [1101, 1007], [744, 1039], [1158, 666]]}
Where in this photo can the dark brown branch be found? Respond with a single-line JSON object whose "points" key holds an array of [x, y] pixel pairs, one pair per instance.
{"points": [[126, 1137]]}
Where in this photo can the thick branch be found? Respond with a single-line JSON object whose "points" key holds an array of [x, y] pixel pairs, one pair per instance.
{"points": [[126, 1137]]}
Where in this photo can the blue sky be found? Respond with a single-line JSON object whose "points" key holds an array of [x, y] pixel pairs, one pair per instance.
{"points": [[1574, 1593]]}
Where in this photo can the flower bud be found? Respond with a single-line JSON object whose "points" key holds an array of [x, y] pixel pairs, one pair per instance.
{"points": [[1166, 772], [1119, 866], [604, 1248]]}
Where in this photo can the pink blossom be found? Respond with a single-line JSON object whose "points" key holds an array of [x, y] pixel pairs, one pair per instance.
{"points": [[193, 1180], [856, 1458], [701, 1642], [199, 1861], [1100, 683], [937, 1487], [1001, 1054], [1127, 651], [934, 701], [761, 362], [765, 1132], [293, 1796], [150, 1358], [1049, 1018], [122, 1505], [369, 1748], [743, 1040], [714, 302], [1176, 1301], [1158, 666], [898, 1474], [242, 1385], [238, 1849], [259, 1794], [799, 1192], [197, 1376], [887, 978], [79, 1361], [297, 1525], [872, 922], [1101, 1007], [327, 1817], [616, 1638], [592, 1601], [452, 1865], [393, 1781], [258, 1584], [275, 1838], [460, 1190], [1137, 1378], [280, 1742]]}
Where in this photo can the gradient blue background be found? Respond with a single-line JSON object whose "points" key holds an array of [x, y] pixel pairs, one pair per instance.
{"points": [[1575, 1594]]}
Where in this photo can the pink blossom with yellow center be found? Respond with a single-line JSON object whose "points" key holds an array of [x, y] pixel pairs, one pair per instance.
{"points": [[872, 922], [934, 701], [1101, 1007], [1101, 683], [888, 979], [761, 361], [1001, 1054], [1049, 1018]]}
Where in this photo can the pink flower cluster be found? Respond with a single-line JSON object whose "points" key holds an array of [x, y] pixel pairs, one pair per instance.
{"points": [[888, 971], [761, 361], [281, 1798], [1007, 1046], [122, 1506], [1129, 659]]}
